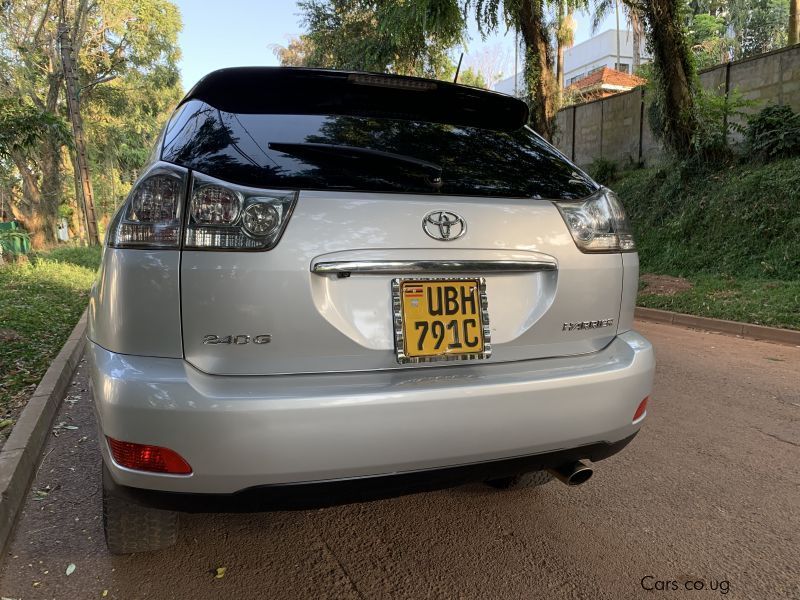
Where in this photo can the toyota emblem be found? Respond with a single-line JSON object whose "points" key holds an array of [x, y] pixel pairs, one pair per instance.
{"points": [[443, 225]]}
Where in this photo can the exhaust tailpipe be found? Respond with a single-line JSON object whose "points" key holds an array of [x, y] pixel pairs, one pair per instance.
{"points": [[574, 473]]}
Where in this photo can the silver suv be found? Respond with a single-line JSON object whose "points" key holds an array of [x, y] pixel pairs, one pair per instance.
{"points": [[328, 287]]}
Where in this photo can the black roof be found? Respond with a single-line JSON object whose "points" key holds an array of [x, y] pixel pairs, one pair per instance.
{"points": [[294, 90]]}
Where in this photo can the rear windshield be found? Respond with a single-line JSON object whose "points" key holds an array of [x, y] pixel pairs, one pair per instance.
{"points": [[368, 154]]}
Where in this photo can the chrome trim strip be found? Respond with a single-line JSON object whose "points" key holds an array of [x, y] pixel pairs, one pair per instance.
{"points": [[403, 267]]}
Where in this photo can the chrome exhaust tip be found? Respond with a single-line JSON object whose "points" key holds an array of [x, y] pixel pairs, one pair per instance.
{"points": [[575, 473]]}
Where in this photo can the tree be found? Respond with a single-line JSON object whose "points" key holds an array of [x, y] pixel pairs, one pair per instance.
{"points": [[758, 25], [410, 38], [528, 17], [793, 34], [295, 54], [565, 36], [23, 129], [127, 45], [707, 39], [471, 76], [31, 68], [674, 73]]}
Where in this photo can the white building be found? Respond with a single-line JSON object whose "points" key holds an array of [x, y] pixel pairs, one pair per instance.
{"points": [[601, 51], [510, 86], [587, 57]]}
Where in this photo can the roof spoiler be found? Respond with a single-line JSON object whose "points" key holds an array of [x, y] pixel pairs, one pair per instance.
{"points": [[293, 90]]}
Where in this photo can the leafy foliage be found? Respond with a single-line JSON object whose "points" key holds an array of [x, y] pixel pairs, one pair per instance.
{"points": [[774, 133], [603, 171], [717, 116], [721, 30], [708, 39], [296, 53], [470, 76], [23, 126], [410, 38], [758, 25]]}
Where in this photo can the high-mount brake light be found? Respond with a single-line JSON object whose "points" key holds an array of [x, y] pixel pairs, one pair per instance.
{"points": [[392, 82], [225, 216], [151, 216], [599, 223]]}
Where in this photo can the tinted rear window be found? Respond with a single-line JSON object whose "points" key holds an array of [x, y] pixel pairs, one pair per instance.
{"points": [[358, 153]]}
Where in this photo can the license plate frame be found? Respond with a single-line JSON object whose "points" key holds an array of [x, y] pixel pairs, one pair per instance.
{"points": [[398, 317]]}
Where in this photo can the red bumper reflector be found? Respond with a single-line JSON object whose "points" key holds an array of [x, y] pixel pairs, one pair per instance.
{"points": [[143, 457], [641, 410]]}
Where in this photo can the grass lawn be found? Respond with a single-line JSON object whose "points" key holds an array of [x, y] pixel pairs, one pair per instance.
{"points": [[730, 232], [40, 302], [763, 302]]}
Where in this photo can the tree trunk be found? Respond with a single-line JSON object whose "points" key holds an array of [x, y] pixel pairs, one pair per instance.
{"points": [[674, 72], [538, 72], [560, 50], [636, 26], [51, 194], [794, 22]]}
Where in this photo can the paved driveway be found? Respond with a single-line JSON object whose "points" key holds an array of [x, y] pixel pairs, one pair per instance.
{"points": [[709, 491]]}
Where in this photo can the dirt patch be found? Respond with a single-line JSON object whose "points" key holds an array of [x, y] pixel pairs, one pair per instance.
{"points": [[9, 335], [663, 285]]}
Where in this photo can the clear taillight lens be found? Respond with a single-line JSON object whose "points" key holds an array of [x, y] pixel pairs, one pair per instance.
{"points": [[151, 216], [598, 224], [232, 217]]}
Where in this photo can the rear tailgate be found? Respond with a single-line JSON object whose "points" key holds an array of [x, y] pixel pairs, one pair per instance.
{"points": [[320, 323], [367, 160]]}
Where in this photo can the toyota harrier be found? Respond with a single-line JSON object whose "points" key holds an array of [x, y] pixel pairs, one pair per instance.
{"points": [[329, 286]]}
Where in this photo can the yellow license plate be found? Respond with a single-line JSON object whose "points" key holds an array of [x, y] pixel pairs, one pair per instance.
{"points": [[440, 319]]}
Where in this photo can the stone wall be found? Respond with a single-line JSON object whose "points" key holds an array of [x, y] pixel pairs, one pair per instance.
{"points": [[616, 128]]}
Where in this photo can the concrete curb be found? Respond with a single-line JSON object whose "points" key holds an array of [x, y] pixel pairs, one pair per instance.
{"points": [[746, 330], [20, 454]]}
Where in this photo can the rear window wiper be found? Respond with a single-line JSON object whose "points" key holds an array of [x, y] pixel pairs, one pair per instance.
{"points": [[354, 152]]}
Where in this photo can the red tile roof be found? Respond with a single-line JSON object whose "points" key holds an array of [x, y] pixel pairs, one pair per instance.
{"points": [[607, 76]]}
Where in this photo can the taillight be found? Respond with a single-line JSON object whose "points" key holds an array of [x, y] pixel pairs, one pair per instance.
{"points": [[144, 457], [151, 216], [232, 217], [599, 223]]}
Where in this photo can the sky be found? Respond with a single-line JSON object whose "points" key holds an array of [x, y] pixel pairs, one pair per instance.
{"points": [[242, 33]]}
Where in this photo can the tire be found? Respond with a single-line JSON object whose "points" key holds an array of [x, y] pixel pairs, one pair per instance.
{"points": [[524, 480], [132, 528]]}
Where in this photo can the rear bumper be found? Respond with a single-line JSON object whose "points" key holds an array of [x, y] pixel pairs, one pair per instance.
{"points": [[246, 432], [321, 494]]}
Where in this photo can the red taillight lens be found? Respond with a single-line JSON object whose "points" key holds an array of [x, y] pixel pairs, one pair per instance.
{"points": [[151, 217], [641, 410], [226, 216], [144, 457]]}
